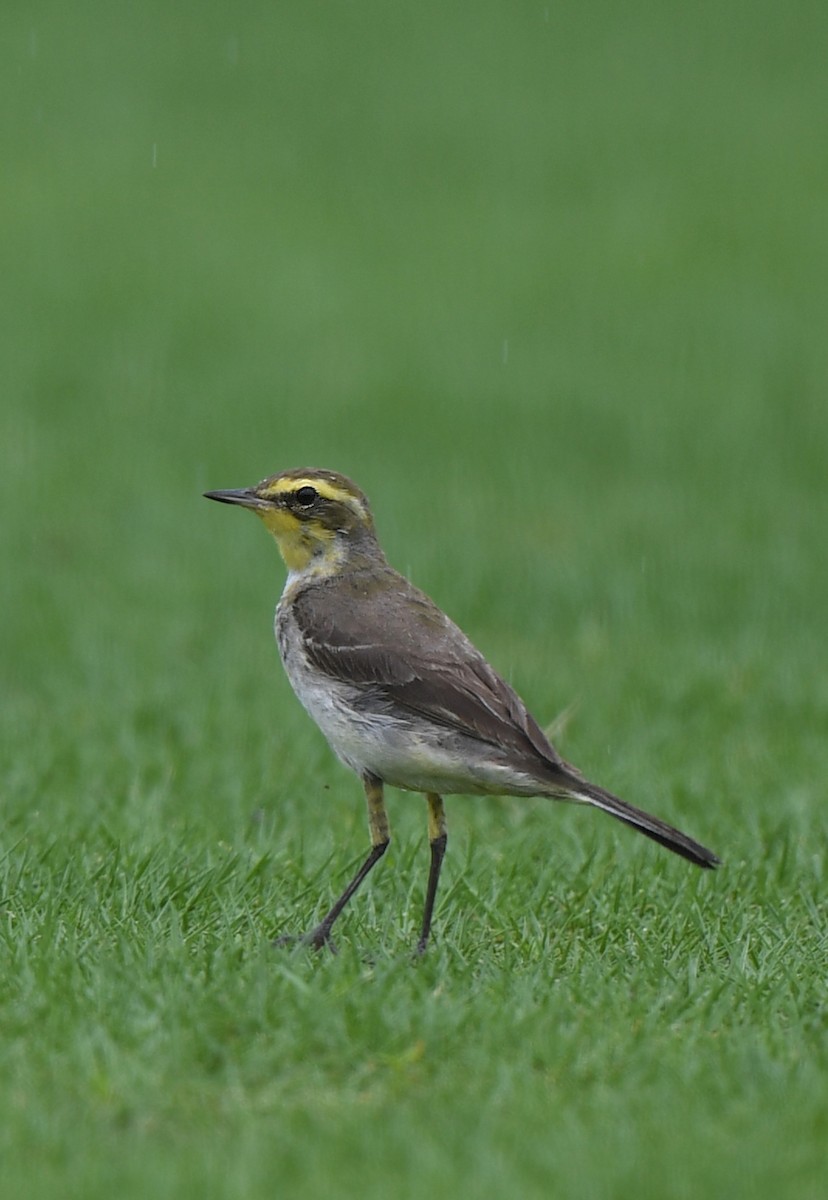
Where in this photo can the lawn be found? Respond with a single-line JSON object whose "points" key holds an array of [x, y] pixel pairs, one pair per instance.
{"points": [[550, 283]]}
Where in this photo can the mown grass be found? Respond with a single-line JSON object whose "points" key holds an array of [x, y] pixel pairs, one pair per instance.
{"points": [[550, 283]]}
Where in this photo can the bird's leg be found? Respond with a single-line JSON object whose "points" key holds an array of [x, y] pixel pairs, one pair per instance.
{"points": [[380, 837], [437, 837]]}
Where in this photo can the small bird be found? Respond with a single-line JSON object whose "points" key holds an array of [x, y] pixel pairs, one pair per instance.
{"points": [[398, 690]]}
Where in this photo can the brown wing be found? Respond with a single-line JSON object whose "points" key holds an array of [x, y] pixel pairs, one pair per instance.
{"points": [[376, 630], [413, 658]]}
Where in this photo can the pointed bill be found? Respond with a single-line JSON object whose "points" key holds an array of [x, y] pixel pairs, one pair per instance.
{"points": [[246, 497]]}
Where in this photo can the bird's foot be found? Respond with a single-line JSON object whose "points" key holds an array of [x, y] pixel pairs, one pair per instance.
{"points": [[317, 939]]}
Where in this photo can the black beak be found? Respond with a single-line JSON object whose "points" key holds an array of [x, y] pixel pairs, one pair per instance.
{"points": [[246, 497]]}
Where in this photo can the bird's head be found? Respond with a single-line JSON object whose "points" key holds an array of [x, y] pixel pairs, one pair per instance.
{"points": [[320, 519]]}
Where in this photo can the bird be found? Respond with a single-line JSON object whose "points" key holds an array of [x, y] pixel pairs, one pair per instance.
{"points": [[401, 694]]}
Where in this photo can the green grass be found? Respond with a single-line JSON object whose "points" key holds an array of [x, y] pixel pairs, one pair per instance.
{"points": [[549, 282]]}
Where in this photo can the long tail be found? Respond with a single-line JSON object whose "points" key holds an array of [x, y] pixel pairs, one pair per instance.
{"points": [[650, 826]]}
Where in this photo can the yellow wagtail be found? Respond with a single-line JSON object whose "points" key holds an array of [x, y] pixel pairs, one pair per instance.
{"points": [[399, 691]]}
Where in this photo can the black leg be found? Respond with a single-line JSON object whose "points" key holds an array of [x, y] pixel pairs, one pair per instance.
{"points": [[378, 823], [321, 935], [437, 840]]}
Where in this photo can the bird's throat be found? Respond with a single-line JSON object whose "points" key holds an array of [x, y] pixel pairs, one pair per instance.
{"points": [[307, 549]]}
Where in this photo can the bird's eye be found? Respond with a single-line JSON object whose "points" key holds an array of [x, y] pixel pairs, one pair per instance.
{"points": [[306, 496]]}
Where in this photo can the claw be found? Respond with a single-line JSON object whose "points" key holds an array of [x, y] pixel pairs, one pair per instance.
{"points": [[317, 939]]}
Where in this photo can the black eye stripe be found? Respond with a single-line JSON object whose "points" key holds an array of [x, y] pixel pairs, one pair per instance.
{"points": [[305, 496]]}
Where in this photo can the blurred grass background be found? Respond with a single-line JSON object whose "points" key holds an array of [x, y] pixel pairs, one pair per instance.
{"points": [[550, 282]]}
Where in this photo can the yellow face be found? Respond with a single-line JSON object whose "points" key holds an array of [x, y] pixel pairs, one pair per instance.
{"points": [[300, 536], [313, 515]]}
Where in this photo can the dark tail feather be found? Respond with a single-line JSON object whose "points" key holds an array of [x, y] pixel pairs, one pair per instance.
{"points": [[651, 827]]}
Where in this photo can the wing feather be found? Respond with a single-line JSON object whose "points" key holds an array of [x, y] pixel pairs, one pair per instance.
{"points": [[375, 630]]}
